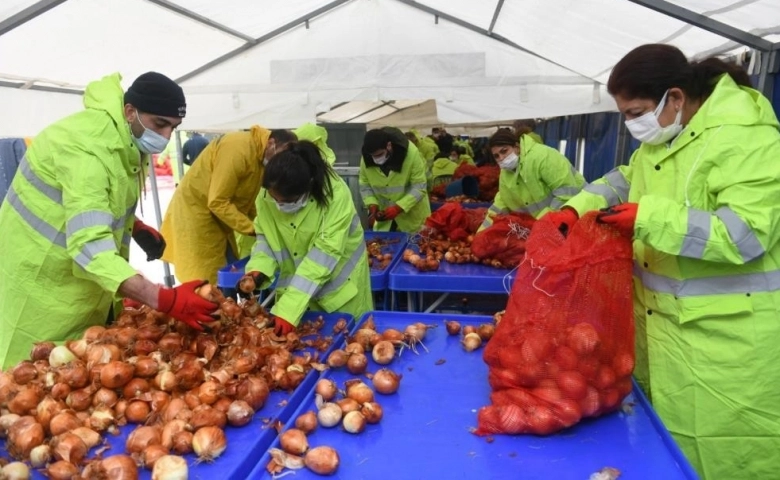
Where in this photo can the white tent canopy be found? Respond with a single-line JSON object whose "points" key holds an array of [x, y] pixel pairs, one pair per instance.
{"points": [[280, 63]]}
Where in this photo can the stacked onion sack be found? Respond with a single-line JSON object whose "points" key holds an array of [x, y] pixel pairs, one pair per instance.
{"points": [[356, 404], [179, 386]]}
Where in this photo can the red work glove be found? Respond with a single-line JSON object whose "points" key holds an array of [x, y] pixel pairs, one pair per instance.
{"points": [[563, 219], [249, 283], [389, 213], [282, 327], [149, 240], [130, 303], [373, 210], [622, 217], [183, 304]]}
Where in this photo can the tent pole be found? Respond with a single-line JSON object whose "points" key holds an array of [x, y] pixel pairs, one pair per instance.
{"points": [[168, 279], [24, 16], [179, 156]]}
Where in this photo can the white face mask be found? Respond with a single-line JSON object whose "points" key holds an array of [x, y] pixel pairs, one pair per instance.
{"points": [[150, 141], [383, 159], [646, 128], [509, 162], [294, 206]]}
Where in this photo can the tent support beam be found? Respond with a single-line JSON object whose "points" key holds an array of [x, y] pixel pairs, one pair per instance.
{"points": [[200, 19], [482, 31], [257, 41], [706, 23], [40, 88], [24, 16], [496, 13], [383, 104]]}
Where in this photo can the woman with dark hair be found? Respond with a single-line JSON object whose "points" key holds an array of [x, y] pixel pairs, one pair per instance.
{"points": [[534, 177], [699, 197], [309, 231]]}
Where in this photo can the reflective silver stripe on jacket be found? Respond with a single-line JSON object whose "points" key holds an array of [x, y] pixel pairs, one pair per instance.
{"points": [[304, 285], [727, 284], [495, 209], [366, 191], [537, 206], [617, 180], [345, 272], [388, 190], [43, 228], [697, 235], [417, 190], [90, 218], [355, 224], [321, 258], [261, 246], [54, 194], [741, 234], [603, 191], [91, 249]]}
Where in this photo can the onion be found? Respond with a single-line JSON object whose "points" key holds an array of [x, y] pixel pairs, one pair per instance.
{"points": [[101, 354], [116, 374], [24, 372], [190, 376], [306, 422], [60, 355], [74, 374], [294, 441], [6, 421], [93, 333], [208, 443], [364, 337], [26, 400], [223, 404], [416, 332], [357, 364], [383, 352], [386, 381], [135, 388], [151, 454], [239, 413], [142, 437], [146, 367], [46, 410], [182, 443], [340, 325], [69, 447], [254, 391], [393, 336], [119, 467], [137, 411], [80, 400], [105, 397], [326, 388], [354, 348], [120, 407], [170, 467], [372, 411], [453, 327], [159, 400], [348, 405], [191, 398], [359, 391], [486, 331], [322, 460], [469, 329], [207, 416], [329, 415], [40, 456], [78, 347], [337, 358], [209, 392], [170, 429], [170, 343], [150, 332], [173, 408], [144, 347], [471, 341], [101, 418], [90, 437], [60, 391], [354, 422], [15, 471], [165, 381], [62, 471], [63, 422]]}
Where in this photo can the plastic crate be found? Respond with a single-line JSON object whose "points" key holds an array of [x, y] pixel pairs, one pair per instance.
{"points": [[379, 278]]}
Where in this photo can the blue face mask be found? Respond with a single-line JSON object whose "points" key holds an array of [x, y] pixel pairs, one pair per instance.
{"points": [[150, 141]]}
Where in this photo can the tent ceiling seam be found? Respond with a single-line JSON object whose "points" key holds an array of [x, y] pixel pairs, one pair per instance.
{"points": [[40, 88], [496, 13], [377, 107], [260, 40], [185, 12], [27, 14], [728, 8]]}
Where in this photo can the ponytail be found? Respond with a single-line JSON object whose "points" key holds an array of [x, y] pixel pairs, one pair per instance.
{"points": [[298, 170], [705, 74]]}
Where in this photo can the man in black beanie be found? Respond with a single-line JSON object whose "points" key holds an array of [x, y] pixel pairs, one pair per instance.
{"points": [[69, 216]]}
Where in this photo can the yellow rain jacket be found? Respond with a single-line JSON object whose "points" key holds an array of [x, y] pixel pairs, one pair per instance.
{"points": [[66, 224], [543, 180], [215, 199], [401, 181], [707, 280], [318, 136], [319, 252]]}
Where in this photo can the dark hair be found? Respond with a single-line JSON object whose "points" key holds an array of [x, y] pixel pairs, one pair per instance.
{"points": [[442, 155], [374, 140], [297, 170], [283, 136], [650, 70], [504, 136]]}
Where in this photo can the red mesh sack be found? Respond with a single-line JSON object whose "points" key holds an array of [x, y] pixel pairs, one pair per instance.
{"points": [[486, 175], [504, 240], [455, 222], [564, 349]]}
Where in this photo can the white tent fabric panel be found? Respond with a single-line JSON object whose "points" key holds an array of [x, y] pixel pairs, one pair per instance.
{"points": [[12, 7], [26, 112]]}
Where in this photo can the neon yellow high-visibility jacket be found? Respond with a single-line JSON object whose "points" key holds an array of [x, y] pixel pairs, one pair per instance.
{"points": [[319, 252], [66, 224], [466, 145], [215, 199], [443, 167], [543, 180], [707, 280], [317, 135], [404, 184], [466, 159]]}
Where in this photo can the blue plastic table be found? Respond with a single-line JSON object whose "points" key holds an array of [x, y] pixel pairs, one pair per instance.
{"points": [[245, 444], [395, 246], [425, 429], [449, 278]]}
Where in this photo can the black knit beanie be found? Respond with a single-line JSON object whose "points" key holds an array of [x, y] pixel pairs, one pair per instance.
{"points": [[157, 94]]}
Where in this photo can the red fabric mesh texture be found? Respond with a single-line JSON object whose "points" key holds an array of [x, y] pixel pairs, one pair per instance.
{"points": [[505, 239], [455, 222], [564, 349], [487, 176]]}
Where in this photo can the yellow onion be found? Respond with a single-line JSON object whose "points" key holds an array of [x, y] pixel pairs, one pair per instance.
{"points": [[293, 441], [120, 467], [306, 422], [337, 358], [182, 443], [62, 470], [116, 374], [90, 437], [24, 435], [386, 381], [15, 471], [208, 443], [322, 460], [354, 422], [357, 363], [239, 413], [151, 454], [64, 422], [326, 388], [40, 456], [372, 411], [359, 391], [142, 437], [69, 447], [471, 341], [170, 429], [170, 467], [207, 416]]}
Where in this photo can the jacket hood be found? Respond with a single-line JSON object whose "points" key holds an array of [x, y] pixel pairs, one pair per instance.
{"points": [[260, 138], [106, 94], [400, 146], [730, 104]]}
